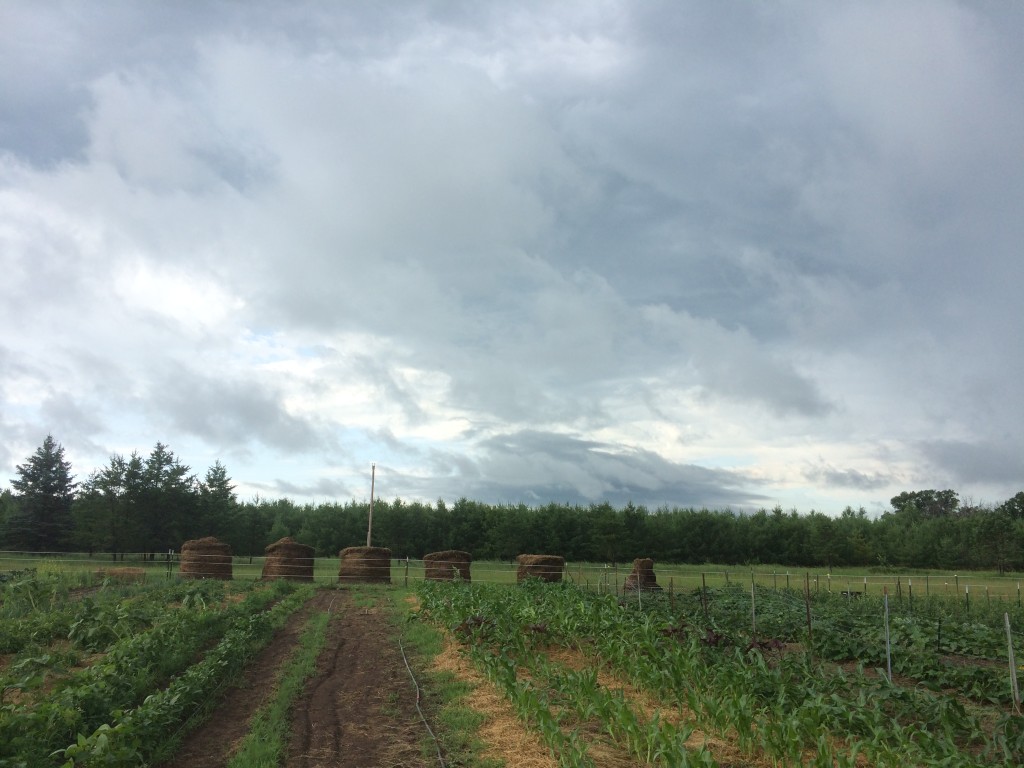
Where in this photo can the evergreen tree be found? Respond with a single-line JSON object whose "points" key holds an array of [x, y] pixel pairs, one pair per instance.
{"points": [[8, 507], [104, 512], [45, 489], [169, 501], [217, 503]]}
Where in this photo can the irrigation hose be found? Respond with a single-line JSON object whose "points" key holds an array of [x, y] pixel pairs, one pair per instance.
{"points": [[430, 730]]}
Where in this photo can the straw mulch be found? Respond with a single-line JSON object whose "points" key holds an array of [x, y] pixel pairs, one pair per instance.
{"points": [[288, 559], [450, 565], [207, 558], [366, 565], [503, 734], [121, 575], [642, 577], [545, 567]]}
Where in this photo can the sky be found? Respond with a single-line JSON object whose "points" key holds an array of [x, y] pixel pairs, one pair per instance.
{"points": [[720, 254]]}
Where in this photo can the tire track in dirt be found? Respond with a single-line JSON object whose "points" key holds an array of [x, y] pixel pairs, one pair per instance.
{"points": [[358, 710], [212, 743]]}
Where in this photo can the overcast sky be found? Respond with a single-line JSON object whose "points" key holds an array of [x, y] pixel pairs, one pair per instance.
{"points": [[684, 253]]}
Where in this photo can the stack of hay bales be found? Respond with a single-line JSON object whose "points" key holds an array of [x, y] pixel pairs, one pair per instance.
{"points": [[449, 565], [288, 559], [642, 578], [544, 567], [207, 558], [366, 565]]}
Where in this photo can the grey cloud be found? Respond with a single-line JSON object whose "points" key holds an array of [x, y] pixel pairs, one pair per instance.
{"points": [[537, 467], [231, 412], [323, 489], [548, 207], [983, 461], [848, 478]]}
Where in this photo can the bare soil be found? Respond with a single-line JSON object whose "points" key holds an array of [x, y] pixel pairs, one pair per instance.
{"points": [[357, 711]]}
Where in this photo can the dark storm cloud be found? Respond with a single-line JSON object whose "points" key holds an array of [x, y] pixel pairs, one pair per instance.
{"points": [[535, 467]]}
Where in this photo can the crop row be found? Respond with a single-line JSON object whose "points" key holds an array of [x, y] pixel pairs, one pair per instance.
{"points": [[154, 660], [766, 697], [933, 642], [37, 611]]}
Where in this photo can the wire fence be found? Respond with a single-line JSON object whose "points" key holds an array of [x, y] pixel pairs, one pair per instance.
{"points": [[605, 577]]}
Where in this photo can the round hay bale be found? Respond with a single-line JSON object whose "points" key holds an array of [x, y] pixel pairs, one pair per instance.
{"points": [[367, 565], [288, 559], [450, 565], [544, 567], [206, 558], [642, 577]]}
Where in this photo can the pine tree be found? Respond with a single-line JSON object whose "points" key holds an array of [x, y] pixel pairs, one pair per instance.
{"points": [[44, 491], [217, 502], [169, 501]]}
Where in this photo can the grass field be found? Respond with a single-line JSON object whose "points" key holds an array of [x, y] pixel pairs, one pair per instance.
{"points": [[975, 586]]}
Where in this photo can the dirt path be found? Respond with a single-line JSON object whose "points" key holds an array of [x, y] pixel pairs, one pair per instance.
{"points": [[212, 744], [357, 711]]}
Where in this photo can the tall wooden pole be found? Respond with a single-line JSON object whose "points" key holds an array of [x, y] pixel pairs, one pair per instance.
{"points": [[369, 526]]}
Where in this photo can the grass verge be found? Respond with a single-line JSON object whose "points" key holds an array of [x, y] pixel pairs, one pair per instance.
{"points": [[455, 724], [264, 746]]}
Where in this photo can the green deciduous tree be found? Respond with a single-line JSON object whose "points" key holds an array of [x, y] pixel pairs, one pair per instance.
{"points": [[926, 504]]}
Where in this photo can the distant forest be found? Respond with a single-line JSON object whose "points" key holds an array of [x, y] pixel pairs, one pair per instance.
{"points": [[152, 504]]}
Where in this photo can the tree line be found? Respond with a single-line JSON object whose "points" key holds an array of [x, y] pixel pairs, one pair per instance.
{"points": [[150, 504]]}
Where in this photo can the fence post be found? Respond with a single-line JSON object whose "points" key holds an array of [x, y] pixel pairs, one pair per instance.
{"points": [[1014, 690], [810, 631], [407, 570], [888, 646], [753, 608]]}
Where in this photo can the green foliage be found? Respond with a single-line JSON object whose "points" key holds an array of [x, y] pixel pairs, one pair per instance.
{"points": [[40, 519], [985, 539], [697, 654], [926, 504], [108, 712], [153, 503]]}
